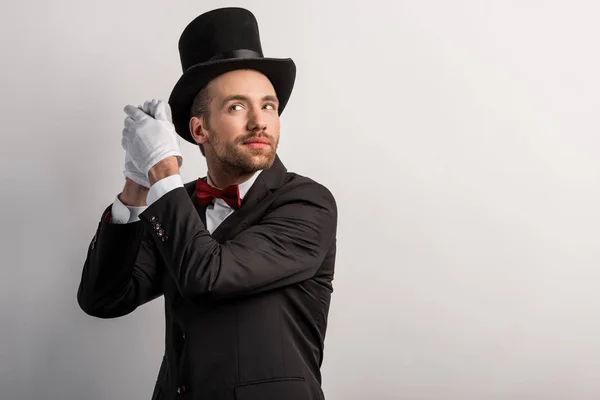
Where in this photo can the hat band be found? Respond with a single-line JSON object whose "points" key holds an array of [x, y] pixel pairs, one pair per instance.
{"points": [[240, 53]]}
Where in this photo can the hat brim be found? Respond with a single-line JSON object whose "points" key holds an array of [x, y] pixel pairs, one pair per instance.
{"points": [[280, 71]]}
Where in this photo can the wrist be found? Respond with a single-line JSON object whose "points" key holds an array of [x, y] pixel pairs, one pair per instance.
{"points": [[133, 194], [164, 168]]}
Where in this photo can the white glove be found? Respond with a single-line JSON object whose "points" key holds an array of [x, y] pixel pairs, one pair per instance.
{"points": [[133, 173], [149, 135], [131, 170]]}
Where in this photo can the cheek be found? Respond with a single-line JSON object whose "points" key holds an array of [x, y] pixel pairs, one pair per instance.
{"points": [[273, 121], [227, 130], [273, 127]]}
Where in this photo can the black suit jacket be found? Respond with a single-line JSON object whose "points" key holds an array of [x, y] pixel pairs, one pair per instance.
{"points": [[246, 307]]}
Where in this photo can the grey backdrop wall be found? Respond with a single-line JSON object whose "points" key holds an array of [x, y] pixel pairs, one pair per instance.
{"points": [[460, 138]]}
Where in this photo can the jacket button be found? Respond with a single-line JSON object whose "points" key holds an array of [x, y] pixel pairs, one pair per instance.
{"points": [[160, 233], [156, 226], [153, 219], [164, 238], [181, 389]]}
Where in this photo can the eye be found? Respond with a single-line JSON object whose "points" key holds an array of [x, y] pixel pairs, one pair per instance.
{"points": [[233, 107], [270, 106]]}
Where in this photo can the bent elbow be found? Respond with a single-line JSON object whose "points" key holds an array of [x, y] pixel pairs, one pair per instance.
{"points": [[97, 308]]}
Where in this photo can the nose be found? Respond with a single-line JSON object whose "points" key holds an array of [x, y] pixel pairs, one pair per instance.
{"points": [[257, 121]]}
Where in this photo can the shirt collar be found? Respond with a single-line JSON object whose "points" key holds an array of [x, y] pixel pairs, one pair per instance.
{"points": [[244, 187]]}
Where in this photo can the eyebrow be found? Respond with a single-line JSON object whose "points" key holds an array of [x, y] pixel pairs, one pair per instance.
{"points": [[240, 97]]}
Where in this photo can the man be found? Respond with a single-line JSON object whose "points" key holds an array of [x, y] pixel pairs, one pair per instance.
{"points": [[244, 257]]}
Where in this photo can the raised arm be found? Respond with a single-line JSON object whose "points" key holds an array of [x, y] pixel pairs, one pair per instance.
{"points": [[120, 272]]}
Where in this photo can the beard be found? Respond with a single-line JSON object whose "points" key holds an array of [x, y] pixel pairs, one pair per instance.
{"points": [[236, 158]]}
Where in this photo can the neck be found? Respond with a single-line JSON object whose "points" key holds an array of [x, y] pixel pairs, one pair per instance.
{"points": [[222, 179]]}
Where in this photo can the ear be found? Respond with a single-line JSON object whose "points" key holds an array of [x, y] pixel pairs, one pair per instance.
{"points": [[197, 130]]}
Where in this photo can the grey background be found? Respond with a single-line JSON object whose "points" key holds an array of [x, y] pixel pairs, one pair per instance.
{"points": [[461, 141]]}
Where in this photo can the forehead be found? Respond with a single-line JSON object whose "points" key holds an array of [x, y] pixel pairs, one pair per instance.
{"points": [[241, 82]]}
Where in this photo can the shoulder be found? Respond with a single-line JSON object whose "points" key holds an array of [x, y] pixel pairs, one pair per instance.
{"points": [[299, 188]]}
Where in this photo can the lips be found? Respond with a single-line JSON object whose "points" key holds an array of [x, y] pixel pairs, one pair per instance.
{"points": [[257, 141]]}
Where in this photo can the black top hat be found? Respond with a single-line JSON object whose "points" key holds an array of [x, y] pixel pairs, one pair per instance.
{"points": [[217, 42]]}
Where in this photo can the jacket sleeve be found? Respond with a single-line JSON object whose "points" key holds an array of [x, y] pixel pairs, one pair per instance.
{"points": [[120, 272], [287, 246]]}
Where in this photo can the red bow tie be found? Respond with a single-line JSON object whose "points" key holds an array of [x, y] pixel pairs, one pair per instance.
{"points": [[206, 194]]}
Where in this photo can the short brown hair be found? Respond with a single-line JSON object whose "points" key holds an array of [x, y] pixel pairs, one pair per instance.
{"points": [[201, 108]]}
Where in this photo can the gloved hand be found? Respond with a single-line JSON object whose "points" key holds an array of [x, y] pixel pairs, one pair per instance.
{"points": [[133, 173], [149, 135]]}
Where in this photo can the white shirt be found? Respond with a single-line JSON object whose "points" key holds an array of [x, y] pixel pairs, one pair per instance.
{"points": [[216, 212]]}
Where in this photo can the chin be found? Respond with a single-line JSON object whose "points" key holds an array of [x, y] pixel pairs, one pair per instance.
{"points": [[261, 161]]}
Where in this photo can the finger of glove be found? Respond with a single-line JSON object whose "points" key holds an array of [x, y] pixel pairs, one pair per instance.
{"points": [[128, 122], [148, 108], [159, 110], [169, 113], [135, 113], [163, 111]]}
